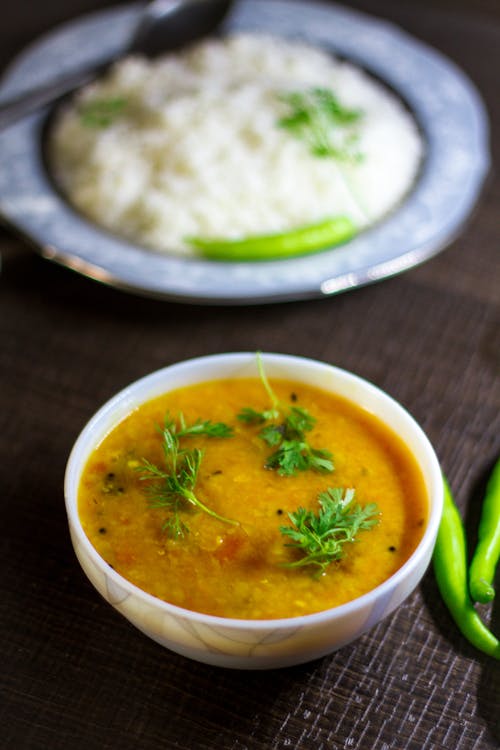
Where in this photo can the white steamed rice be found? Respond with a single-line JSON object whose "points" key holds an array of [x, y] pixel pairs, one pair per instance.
{"points": [[197, 150]]}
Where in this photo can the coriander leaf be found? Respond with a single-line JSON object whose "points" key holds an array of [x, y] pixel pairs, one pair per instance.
{"points": [[250, 416], [331, 105], [272, 434], [320, 537], [174, 527], [317, 117], [204, 427], [285, 429], [289, 458], [100, 113], [320, 460], [297, 455], [298, 421], [172, 486]]}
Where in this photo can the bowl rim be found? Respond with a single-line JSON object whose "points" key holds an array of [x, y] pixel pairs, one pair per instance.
{"points": [[84, 445]]}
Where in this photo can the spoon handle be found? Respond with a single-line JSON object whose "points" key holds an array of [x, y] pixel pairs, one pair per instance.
{"points": [[17, 107], [163, 25]]}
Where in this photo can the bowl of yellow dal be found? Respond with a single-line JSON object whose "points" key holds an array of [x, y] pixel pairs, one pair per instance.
{"points": [[253, 511]]}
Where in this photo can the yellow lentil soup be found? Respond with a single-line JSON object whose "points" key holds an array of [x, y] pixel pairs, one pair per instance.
{"points": [[238, 564]]}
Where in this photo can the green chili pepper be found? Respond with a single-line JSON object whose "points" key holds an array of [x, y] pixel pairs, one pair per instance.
{"points": [[450, 567], [306, 239], [487, 552]]}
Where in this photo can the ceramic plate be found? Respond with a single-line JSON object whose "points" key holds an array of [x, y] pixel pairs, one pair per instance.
{"points": [[444, 102]]}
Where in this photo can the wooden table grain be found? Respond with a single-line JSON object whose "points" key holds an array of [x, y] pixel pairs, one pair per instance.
{"points": [[74, 674]]}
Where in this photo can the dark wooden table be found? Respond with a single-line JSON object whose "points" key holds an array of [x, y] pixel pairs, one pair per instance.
{"points": [[73, 673]]}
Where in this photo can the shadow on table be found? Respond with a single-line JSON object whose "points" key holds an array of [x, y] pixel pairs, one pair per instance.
{"points": [[255, 707], [488, 691]]}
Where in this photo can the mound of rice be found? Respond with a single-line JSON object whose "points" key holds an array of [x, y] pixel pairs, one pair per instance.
{"points": [[197, 150]]}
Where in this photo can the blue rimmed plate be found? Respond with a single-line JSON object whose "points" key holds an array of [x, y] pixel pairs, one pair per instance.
{"points": [[445, 103]]}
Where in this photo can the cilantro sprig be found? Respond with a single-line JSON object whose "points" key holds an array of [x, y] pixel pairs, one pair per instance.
{"points": [[172, 486], [320, 537], [285, 429], [200, 427], [317, 117], [100, 113]]}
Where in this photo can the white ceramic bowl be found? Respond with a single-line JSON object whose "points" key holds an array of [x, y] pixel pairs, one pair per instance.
{"points": [[254, 644]]}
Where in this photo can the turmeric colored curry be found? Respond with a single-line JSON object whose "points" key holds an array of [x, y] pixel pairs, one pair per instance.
{"points": [[228, 556]]}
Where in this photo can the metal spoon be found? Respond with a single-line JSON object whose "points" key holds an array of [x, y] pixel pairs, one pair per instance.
{"points": [[164, 25]]}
